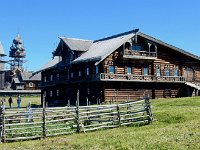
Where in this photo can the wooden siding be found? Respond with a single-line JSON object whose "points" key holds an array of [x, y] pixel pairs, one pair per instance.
{"points": [[119, 95], [117, 86]]}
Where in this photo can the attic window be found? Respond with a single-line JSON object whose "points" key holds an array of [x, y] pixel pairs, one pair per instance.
{"points": [[30, 84]]}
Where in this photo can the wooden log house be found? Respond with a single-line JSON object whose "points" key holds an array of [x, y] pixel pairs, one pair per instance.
{"points": [[127, 66]]}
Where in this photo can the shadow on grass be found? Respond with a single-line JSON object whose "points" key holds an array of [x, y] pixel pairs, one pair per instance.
{"points": [[35, 106]]}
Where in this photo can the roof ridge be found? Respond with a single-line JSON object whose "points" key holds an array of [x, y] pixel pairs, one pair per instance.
{"points": [[117, 35], [171, 46], [75, 39]]}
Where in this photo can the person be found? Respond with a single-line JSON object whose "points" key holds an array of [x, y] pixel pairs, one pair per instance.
{"points": [[3, 101], [18, 101], [10, 101]]}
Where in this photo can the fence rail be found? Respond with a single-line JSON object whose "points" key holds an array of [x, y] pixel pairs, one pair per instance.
{"points": [[32, 123]]}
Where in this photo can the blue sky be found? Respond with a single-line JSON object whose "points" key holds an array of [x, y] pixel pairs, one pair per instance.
{"points": [[41, 22]]}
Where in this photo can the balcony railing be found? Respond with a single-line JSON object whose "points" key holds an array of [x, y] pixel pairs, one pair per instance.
{"points": [[114, 77], [140, 54], [143, 78]]}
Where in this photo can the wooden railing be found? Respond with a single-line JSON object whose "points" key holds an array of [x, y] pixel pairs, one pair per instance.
{"points": [[146, 78], [134, 53], [114, 77], [34, 123]]}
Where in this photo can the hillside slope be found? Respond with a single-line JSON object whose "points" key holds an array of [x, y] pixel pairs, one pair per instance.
{"points": [[176, 126]]}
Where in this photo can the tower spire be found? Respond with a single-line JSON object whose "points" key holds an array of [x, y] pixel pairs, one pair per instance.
{"points": [[17, 53]]}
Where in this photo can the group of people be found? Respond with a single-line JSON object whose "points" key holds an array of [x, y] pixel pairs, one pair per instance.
{"points": [[10, 101]]}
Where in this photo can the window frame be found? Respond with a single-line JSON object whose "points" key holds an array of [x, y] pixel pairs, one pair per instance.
{"points": [[30, 84], [146, 70], [112, 69], [87, 71], [129, 70]]}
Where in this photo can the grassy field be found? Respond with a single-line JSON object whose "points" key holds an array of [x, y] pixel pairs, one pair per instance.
{"points": [[176, 126], [34, 100]]}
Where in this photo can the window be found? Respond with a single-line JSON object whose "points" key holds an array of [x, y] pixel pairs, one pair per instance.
{"points": [[45, 78], [57, 92], [87, 71], [167, 71], [146, 71], [158, 71], [30, 84], [176, 71], [129, 70], [111, 69], [44, 93], [136, 48], [97, 69], [72, 74], [51, 93], [58, 75], [68, 74], [51, 78], [79, 73]]}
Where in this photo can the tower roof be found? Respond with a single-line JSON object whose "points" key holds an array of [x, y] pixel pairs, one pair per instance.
{"points": [[17, 40], [2, 50]]}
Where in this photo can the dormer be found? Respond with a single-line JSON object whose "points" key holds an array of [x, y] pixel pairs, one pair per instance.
{"points": [[136, 48], [69, 48]]}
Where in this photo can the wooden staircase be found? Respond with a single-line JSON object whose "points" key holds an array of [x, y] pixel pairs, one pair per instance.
{"points": [[193, 85]]}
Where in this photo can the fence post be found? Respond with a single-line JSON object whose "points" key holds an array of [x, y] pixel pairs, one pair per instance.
{"points": [[118, 115], [148, 110], [3, 133], [1, 124], [77, 113], [44, 117]]}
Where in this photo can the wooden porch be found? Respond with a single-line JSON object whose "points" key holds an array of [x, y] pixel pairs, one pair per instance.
{"points": [[140, 78], [115, 77], [137, 54]]}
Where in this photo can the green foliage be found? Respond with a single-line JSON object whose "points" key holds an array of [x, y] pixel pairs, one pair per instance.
{"points": [[176, 126]]}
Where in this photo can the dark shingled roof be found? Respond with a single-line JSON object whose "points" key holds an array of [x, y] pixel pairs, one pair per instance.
{"points": [[29, 76], [102, 48], [16, 80], [50, 64], [77, 44], [168, 45]]}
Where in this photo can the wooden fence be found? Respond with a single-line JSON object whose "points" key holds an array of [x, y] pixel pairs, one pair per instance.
{"points": [[33, 123]]}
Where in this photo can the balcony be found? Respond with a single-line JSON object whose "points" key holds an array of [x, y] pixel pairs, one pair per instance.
{"points": [[140, 78], [115, 77], [139, 54]]}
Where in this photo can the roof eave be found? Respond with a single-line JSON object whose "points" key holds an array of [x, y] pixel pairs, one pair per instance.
{"points": [[169, 46]]}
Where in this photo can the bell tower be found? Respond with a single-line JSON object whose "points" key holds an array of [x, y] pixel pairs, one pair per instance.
{"points": [[17, 54]]}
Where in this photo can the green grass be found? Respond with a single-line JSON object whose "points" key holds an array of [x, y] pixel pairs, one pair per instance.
{"points": [[35, 101], [176, 126]]}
